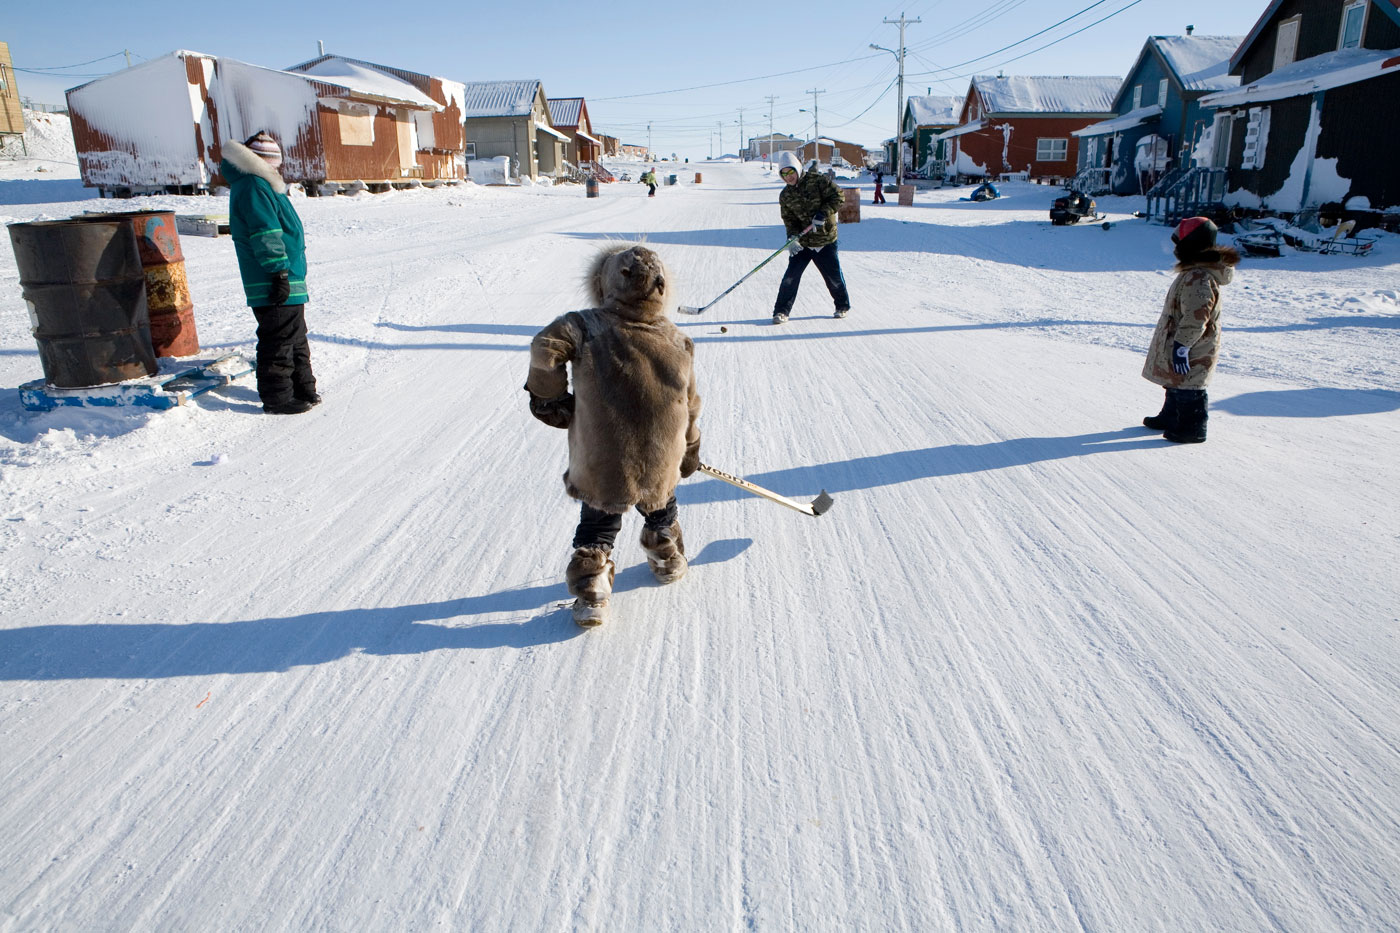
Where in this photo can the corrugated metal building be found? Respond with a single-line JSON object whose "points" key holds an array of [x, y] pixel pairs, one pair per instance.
{"points": [[439, 149], [512, 119], [158, 126]]}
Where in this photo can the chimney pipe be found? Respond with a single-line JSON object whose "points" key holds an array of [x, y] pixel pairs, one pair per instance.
{"points": [[321, 46], [1190, 29]]}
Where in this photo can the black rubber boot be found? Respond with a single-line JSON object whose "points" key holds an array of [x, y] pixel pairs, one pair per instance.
{"points": [[1164, 419], [1191, 417]]}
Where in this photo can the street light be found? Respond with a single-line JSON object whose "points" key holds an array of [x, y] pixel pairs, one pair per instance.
{"points": [[898, 117]]}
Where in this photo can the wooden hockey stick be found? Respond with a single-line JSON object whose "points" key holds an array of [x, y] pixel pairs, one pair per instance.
{"points": [[817, 506], [687, 309]]}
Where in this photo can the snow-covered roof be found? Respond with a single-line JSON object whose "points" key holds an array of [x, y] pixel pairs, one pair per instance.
{"points": [[1068, 94], [546, 128], [566, 111], [934, 110], [365, 81], [1201, 63], [972, 127], [1319, 73], [499, 98], [1126, 122]]}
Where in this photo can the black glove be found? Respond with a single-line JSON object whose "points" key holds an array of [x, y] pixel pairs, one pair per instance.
{"points": [[281, 288], [691, 461], [555, 412], [1181, 360], [819, 221]]}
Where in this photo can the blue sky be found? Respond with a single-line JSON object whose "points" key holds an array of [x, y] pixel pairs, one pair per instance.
{"points": [[691, 71]]}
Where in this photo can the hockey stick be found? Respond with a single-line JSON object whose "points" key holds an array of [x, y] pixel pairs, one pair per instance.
{"points": [[687, 309], [818, 506]]}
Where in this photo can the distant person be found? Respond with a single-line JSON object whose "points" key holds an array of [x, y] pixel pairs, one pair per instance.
{"points": [[809, 202], [1186, 343], [879, 186], [649, 179], [631, 418], [271, 250]]}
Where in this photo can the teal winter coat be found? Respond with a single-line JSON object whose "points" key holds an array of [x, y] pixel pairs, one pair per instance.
{"points": [[267, 234]]}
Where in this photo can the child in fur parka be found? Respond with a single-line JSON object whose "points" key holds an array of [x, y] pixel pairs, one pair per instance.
{"points": [[631, 417], [1186, 343]]}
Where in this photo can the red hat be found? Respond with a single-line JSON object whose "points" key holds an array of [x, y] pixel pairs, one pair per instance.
{"points": [[1195, 235]]}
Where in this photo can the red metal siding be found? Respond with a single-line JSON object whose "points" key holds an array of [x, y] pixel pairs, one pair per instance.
{"points": [[989, 146]]}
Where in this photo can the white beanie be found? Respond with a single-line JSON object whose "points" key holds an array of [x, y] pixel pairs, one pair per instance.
{"points": [[266, 147]]}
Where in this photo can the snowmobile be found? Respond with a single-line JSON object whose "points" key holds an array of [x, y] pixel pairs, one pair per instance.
{"points": [[1072, 208]]}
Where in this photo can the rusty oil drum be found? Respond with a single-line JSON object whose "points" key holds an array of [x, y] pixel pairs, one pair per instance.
{"points": [[590, 187], [86, 293], [167, 288]]}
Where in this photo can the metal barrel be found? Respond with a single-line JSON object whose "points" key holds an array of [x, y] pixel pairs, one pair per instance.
{"points": [[590, 186], [167, 288], [86, 294]]}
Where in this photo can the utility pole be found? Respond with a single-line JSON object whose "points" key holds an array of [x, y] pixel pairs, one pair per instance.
{"points": [[816, 125], [899, 101], [719, 124], [648, 141], [771, 98], [741, 134], [128, 57]]}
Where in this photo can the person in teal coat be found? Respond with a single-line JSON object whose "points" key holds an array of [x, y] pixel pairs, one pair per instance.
{"points": [[271, 249]]}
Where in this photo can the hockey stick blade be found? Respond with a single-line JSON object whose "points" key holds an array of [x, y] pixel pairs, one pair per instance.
{"points": [[817, 506], [687, 309]]}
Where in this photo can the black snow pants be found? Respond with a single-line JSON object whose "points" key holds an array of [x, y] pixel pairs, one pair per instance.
{"points": [[600, 529], [828, 264], [284, 356]]}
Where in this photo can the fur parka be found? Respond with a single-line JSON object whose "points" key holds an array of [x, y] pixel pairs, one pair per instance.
{"points": [[267, 234], [1191, 317], [632, 415]]}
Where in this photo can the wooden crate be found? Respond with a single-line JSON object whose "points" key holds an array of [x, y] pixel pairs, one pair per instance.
{"points": [[906, 195], [850, 211]]}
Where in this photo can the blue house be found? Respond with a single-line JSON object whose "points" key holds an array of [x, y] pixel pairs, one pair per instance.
{"points": [[1159, 113]]}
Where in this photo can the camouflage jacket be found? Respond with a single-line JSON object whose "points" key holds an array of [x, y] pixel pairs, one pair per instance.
{"points": [[813, 194]]}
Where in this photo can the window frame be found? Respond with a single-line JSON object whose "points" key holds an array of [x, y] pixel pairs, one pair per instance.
{"points": [[1365, 7], [1137, 96], [469, 150], [1296, 22], [1040, 145], [1162, 93]]}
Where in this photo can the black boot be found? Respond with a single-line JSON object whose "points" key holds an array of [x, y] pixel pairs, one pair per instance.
{"points": [[1165, 418], [1191, 416]]}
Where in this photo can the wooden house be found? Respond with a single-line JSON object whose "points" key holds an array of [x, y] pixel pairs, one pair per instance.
{"points": [[1011, 125], [763, 148], [1316, 118], [925, 117], [11, 113], [512, 119], [159, 126], [569, 115], [1158, 113], [830, 151], [436, 137]]}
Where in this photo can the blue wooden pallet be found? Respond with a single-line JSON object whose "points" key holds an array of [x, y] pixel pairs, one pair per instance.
{"points": [[161, 391]]}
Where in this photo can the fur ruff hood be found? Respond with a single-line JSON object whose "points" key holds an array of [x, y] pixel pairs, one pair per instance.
{"points": [[247, 162], [631, 281]]}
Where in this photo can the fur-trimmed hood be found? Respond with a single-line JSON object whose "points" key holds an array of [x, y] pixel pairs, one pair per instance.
{"points": [[240, 160], [632, 281]]}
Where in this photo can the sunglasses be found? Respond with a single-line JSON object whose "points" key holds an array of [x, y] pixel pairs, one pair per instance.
{"points": [[788, 171]]}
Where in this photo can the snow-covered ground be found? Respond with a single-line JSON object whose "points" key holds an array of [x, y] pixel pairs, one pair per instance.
{"points": [[1036, 670]]}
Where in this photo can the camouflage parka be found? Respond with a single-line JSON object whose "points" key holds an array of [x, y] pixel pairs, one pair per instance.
{"points": [[813, 194]]}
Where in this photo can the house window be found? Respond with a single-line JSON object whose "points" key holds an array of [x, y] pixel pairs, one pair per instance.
{"points": [[471, 150], [1286, 45], [1051, 150], [1353, 25], [356, 125], [1256, 135], [1137, 96], [1220, 135], [1162, 93]]}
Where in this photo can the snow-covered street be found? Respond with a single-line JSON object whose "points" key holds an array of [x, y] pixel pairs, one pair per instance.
{"points": [[1037, 669]]}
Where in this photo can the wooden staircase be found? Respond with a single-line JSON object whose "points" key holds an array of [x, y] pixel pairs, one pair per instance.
{"points": [[1185, 193]]}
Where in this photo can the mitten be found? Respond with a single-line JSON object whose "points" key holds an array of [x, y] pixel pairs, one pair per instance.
{"points": [[281, 288], [1181, 360], [691, 461], [555, 412]]}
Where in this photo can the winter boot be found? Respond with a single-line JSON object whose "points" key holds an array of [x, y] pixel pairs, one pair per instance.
{"points": [[590, 579], [1165, 418], [842, 312], [665, 552], [1191, 416], [780, 318]]}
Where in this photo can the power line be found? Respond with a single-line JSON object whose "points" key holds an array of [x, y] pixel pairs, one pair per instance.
{"points": [[1026, 39], [37, 68]]}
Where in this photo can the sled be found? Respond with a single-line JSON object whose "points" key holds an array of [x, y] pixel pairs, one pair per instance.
{"points": [[159, 392]]}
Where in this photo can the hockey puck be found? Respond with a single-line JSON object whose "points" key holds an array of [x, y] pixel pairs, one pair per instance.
{"points": [[724, 330]]}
